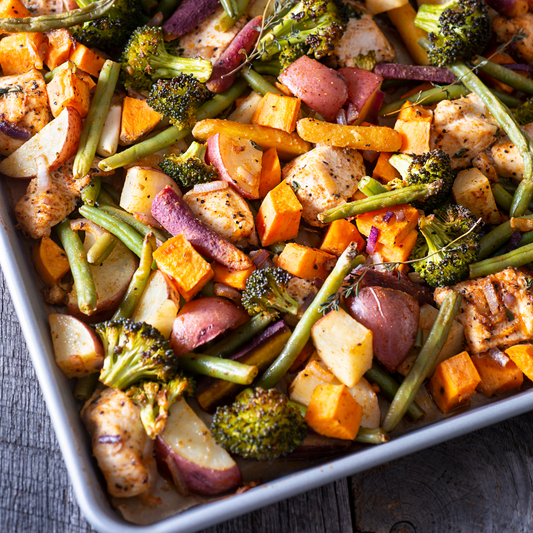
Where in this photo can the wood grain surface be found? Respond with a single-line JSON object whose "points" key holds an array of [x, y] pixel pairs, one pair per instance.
{"points": [[480, 483]]}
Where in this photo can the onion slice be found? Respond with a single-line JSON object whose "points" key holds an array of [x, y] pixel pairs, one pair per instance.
{"points": [[44, 181], [210, 187], [372, 240], [387, 217]]}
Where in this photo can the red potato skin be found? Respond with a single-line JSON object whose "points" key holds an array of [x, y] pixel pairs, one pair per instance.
{"points": [[202, 320], [373, 112], [233, 57], [392, 316], [321, 88], [393, 71], [189, 14], [197, 479], [509, 8], [176, 217], [363, 87]]}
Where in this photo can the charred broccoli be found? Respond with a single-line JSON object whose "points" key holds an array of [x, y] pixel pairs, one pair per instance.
{"points": [[260, 425], [145, 59], [178, 99], [266, 289], [290, 54], [458, 30], [134, 351], [524, 112], [419, 169], [189, 168], [155, 399], [440, 265]]}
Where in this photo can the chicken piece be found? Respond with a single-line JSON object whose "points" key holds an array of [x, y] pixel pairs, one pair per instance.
{"points": [[361, 36], [496, 311], [301, 290], [485, 165], [121, 446], [44, 7], [323, 178], [507, 160], [223, 211], [506, 29], [49, 200], [463, 128], [207, 42], [27, 108]]}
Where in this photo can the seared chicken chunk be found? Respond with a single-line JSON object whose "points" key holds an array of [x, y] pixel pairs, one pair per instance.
{"points": [[121, 446], [496, 311], [462, 128], [505, 29], [506, 158], [45, 7], [323, 178]]}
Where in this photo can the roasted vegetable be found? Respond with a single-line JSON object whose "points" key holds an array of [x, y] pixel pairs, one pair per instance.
{"points": [[524, 113]]}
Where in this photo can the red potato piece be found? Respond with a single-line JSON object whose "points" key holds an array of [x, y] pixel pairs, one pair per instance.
{"points": [[372, 115], [188, 453], [363, 88], [189, 14], [321, 88], [238, 161], [176, 217], [510, 8], [224, 70], [393, 71], [392, 316], [202, 320]]}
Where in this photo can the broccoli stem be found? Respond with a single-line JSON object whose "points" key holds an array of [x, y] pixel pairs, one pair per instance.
{"points": [[81, 271], [371, 436], [101, 249], [241, 335], [345, 264], [225, 22], [405, 195], [94, 123], [45, 23], [258, 83], [138, 281], [505, 75], [173, 134], [85, 387], [496, 238], [90, 193], [169, 66], [371, 187], [517, 258], [429, 353], [216, 367], [389, 387]]}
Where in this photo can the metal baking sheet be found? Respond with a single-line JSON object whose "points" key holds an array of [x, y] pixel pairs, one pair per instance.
{"points": [[75, 446]]}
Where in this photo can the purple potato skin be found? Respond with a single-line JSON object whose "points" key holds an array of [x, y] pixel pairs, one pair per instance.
{"points": [[392, 316], [189, 14], [197, 479], [392, 71], [317, 446]]}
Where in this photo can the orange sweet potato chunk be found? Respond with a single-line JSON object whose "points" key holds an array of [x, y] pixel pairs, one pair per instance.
{"points": [[21, 52], [400, 252], [495, 378], [270, 172], [383, 170], [304, 262], [87, 60], [232, 278], [68, 90], [50, 261], [138, 119], [279, 112], [339, 235], [522, 356], [60, 44], [13, 9]]}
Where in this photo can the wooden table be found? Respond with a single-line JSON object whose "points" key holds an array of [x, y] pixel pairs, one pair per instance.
{"points": [[480, 483]]}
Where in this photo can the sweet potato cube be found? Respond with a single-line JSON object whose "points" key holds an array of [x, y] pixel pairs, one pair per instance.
{"points": [[21, 52], [270, 172], [232, 278], [414, 125], [383, 170], [338, 237], [138, 119], [522, 357], [333, 412], [67, 90], [60, 44], [279, 112], [87, 60], [415, 113], [13, 9], [454, 382], [496, 377], [401, 251], [304, 262], [178, 259], [278, 218], [86, 78], [393, 231], [50, 261]]}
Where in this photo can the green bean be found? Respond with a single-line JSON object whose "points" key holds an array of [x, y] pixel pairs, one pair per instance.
{"points": [[496, 238], [226, 22], [240, 336], [345, 264], [516, 258], [49, 76], [372, 436], [258, 83], [94, 123], [90, 192], [370, 186], [423, 363], [138, 281], [101, 249], [81, 271], [228, 8], [502, 197], [217, 367], [85, 387], [271, 68], [111, 193], [53, 22], [505, 75], [507, 99], [167, 7], [104, 199]]}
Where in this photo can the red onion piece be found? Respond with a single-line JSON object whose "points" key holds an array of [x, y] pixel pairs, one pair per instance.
{"points": [[516, 237], [517, 66], [508, 299], [307, 302], [210, 187], [261, 259], [498, 356], [400, 216], [109, 439], [44, 181], [388, 216], [14, 130], [491, 296], [341, 117], [372, 240], [225, 291], [317, 282]]}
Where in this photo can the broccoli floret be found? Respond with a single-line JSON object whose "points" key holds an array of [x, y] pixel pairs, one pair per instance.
{"points": [[155, 399], [458, 30], [444, 267], [317, 24], [366, 61], [428, 168], [290, 54], [266, 289], [260, 425], [524, 112], [190, 168], [145, 59], [113, 29], [178, 99], [134, 351]]}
